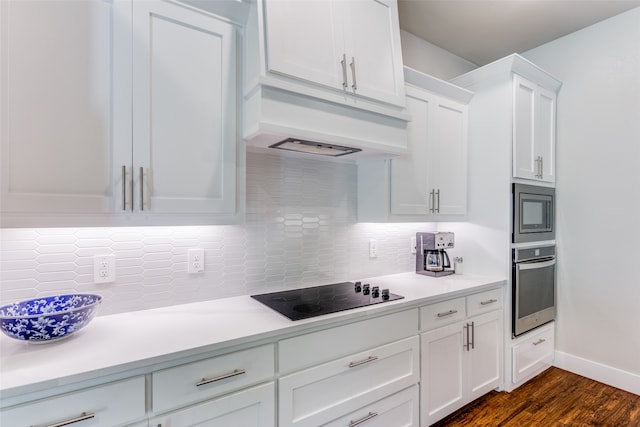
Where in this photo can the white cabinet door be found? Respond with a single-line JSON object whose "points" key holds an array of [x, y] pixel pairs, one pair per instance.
{"points": [[409, 175], [485, 356], [442, 372], [323, 393], [61, 112], [254, 407], [184, 139], [345, 46], [432, 180], [374, 57], [448, 158], [197, 381], [399, 410], [305, 40], [114, 404], [533, 131], [545, 133], [532, 354]]}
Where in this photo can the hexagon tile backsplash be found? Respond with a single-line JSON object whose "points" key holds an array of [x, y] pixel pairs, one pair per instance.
{"points": [[300, 231]]}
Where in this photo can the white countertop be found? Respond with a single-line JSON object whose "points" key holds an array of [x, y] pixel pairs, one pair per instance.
{"points": [[128, 341]]}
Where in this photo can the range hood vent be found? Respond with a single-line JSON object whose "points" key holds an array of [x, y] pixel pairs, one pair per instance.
{"points": [[311, 147]]}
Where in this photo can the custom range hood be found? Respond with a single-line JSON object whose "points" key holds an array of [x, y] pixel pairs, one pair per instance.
{"points": [[285, 122], [304, 102]]}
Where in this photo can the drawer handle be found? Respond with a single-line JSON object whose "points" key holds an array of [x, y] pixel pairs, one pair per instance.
{"points": [[362, 362], [84, 416], [540, 341], [235, 373], [487, 302], [363, 419], [447, 313]]}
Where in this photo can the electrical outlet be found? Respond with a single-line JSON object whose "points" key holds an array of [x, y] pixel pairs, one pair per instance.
{"points": [[195, 261], [373, 248], [413, 245], [104, 268]]}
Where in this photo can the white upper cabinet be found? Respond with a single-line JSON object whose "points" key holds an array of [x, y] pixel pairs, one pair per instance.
{"points": [[184, 112], [116, 107], [431, 181], [63, 96], [302, 39], [351, 47], [534, 131], [516, 105]]}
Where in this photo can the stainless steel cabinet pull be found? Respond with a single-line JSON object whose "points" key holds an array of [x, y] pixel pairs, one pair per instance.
{"points": [[540, 341], [489, 301], [432, 201], [362, 362], [84, 416], [539, 167], [344, 70], [354, 86], [235, 373], [363, 419], [466, 344], [141, 188], [447, 313], [438, 197], [473, 335], [124, 187]]}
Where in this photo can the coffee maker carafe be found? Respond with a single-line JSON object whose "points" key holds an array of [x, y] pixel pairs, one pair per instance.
{"points": [[431, 257]]}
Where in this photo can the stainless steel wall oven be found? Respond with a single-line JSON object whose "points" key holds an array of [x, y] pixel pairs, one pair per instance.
{"points": [[534, 287]]}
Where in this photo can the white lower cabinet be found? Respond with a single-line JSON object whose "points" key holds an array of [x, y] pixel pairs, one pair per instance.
{"points": [[198, 381], [318, 395], [532, 354], [462, 353], [254, 407], [408, 368], [115, 404], [399, 410]]}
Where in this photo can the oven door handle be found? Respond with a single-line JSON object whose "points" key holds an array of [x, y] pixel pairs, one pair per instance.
{"points": [[534, 265]]}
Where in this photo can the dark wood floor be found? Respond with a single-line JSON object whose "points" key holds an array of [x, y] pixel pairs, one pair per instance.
{"points": [[554, 398]]}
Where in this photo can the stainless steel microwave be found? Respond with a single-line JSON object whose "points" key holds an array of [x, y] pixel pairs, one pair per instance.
{"points": [[533, 213]]}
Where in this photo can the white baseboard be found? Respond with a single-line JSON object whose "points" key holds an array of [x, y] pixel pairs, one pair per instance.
{"points": [[598, 372]]}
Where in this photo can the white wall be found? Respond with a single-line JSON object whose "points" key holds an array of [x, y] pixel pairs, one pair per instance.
{"points": [[598, 193], [430, 59]]}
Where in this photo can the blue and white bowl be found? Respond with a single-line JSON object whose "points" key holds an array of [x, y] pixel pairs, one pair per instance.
{"points": [[49, 318]]}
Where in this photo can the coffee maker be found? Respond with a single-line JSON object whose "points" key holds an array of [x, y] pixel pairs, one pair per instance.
{"points": [[431, 257]]}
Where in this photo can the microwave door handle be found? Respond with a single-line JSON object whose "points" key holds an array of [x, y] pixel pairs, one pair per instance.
{"points": [[534, 265]]}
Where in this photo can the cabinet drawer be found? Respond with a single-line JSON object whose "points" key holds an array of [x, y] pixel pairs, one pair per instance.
{"points": [[399, 410], [533, 354], [441, 314], [484, 302], [198, 381], [108, 405], [254, 407], [326, 392], [322, 346]]}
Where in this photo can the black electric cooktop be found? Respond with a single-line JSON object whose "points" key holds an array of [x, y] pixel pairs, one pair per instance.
{"points": [[298, 304]]}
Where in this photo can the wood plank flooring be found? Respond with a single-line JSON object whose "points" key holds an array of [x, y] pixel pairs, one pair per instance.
{"points": [[554, 398]]}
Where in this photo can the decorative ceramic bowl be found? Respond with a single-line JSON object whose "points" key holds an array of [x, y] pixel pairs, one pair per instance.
{"points": [[49, 318]]}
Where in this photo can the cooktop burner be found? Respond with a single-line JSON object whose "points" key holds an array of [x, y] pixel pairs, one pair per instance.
{"points": [[298, 304]]}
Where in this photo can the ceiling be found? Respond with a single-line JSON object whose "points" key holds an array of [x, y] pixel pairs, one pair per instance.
{"points": [[482, 31]]}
